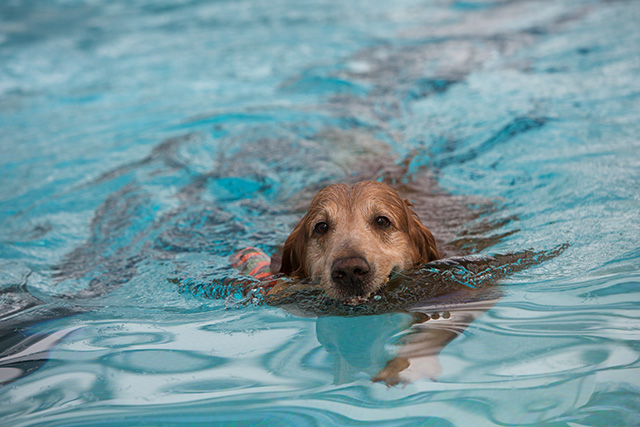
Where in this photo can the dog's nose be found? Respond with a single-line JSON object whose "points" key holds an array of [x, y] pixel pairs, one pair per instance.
{"points": [[350, 272]]}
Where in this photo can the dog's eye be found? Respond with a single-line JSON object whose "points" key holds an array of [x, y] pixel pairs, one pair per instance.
{"points": [[321, 228], [382, 221]]}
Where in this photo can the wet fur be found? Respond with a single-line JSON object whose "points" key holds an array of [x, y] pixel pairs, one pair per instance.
{"points": [[350, 213]]}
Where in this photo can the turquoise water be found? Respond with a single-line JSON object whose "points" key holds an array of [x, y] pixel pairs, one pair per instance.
{"points": [[142, 142]]}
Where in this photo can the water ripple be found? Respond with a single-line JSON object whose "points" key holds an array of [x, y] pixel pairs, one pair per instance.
{"points": [[143, 143]]}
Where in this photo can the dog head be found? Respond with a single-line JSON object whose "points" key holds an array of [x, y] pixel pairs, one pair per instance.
{"points": [[352, 238]]}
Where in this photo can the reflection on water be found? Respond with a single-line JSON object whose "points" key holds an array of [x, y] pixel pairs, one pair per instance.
{"points": [[144, 144]]}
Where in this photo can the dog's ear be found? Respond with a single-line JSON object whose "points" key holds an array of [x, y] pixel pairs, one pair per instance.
{"points": [[293, 253], [421, 237]]}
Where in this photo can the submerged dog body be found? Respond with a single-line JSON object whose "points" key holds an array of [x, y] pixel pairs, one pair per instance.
{"points": [[353, 238], [350, 241]]}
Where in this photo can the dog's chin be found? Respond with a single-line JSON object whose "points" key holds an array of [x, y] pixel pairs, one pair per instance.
{"points": [[351, 296]]}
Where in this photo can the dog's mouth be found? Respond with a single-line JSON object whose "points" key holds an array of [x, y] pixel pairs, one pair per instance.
{"points": [[366, 298]]}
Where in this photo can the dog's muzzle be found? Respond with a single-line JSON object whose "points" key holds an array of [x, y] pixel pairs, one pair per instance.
{"points": [[351, 275]]}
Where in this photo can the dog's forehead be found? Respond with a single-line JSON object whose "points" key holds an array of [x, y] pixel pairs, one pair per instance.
{"points": [[368, 198], [331, 198]]}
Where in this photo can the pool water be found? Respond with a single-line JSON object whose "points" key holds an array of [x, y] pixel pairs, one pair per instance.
{"points": [[143, 142]]}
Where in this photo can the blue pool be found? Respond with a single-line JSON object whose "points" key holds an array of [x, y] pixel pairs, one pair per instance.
{"points": [[142, 143]]}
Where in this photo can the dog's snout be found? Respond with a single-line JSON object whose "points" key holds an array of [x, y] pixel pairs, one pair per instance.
{"points": [[350, 272]]}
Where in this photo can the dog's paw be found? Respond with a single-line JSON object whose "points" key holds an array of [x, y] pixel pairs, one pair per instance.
{"points": [[400, 370], [390, 374]]}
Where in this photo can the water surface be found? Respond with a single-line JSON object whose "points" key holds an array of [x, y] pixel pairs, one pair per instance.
{"points": [[142, 143]]}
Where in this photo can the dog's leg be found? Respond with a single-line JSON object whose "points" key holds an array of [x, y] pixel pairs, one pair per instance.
{"points": [[418, 357]]}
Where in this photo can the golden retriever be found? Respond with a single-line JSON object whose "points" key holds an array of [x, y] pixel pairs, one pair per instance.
{"points": [[353, 238]]}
